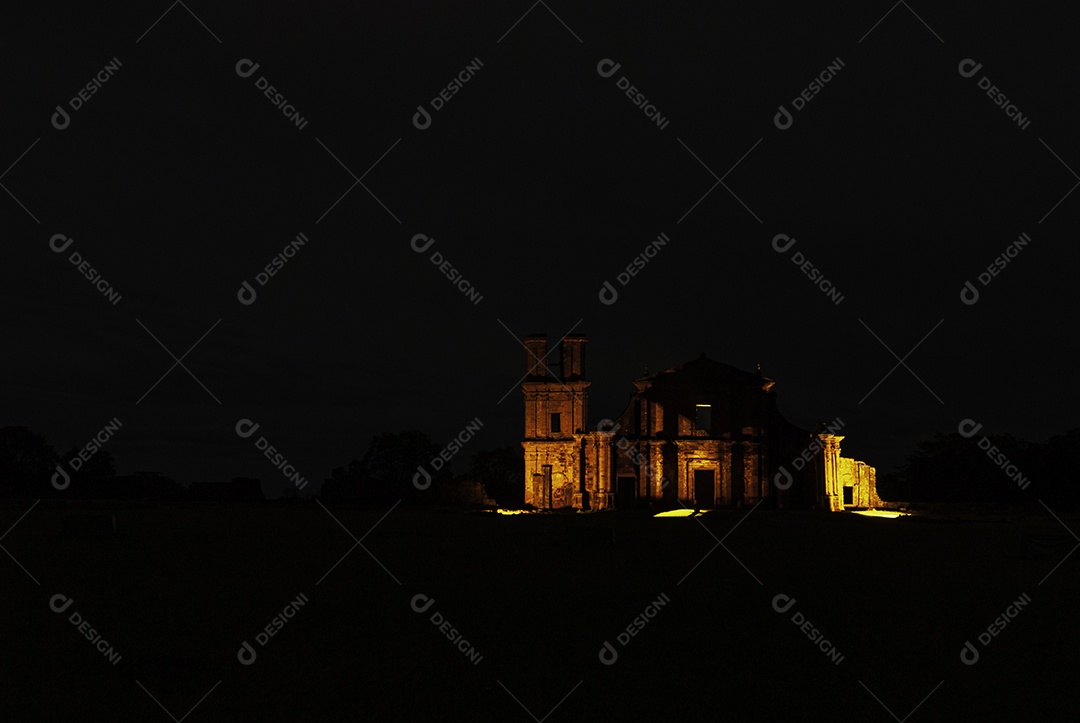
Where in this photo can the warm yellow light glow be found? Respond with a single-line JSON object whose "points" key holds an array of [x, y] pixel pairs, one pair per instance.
{"points": [[501, 511], [888, 514], [685, 512]]}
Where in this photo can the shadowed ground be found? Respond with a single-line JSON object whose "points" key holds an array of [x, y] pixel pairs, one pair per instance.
{"points": [[178, 588]]}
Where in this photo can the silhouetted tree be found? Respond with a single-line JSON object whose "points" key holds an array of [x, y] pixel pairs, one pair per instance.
{"points": [[392, 461], [892, 487], [346, 484], [1056, 471], [238, 489], [385, 473], [353, 472], [953, 468], [100, 464], [145, 486], [502, 473], [27, 462], [94, 476]]}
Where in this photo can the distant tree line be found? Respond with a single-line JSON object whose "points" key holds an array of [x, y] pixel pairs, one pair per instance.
{"points": [[406, 466], [992, 469], [950, 468], [396, 466], [31, 468]]}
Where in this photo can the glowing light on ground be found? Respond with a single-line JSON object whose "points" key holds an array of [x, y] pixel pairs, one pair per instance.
{"points": [[887, 514], [677, 513]]}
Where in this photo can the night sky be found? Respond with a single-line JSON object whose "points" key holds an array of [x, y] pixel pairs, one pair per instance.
{"points": [[539, 180]]}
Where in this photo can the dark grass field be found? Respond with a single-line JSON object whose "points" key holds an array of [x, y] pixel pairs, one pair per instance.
{"points": [[178, 589]]}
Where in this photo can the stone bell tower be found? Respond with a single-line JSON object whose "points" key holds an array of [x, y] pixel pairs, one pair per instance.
{"points": [[556, 412]]}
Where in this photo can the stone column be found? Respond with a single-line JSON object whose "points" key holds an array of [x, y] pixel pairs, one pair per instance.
{"points": [[726, 495], [684, 494], [832, 497], [656, 467], [751, 478], [605, 470], [579, 463]]}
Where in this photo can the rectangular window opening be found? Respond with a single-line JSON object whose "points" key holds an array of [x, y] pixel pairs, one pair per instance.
{"points": [[704, 416]]}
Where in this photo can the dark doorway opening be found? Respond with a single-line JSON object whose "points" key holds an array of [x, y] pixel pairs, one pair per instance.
{"points": [[849, 495], [704, 489], [625, 492]]}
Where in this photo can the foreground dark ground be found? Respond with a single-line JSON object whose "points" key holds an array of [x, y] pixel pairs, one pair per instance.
{"points": [[179, 588]]}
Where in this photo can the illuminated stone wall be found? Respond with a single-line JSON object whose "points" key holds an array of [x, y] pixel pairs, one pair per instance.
{"points": [[650, 454], [755, 485], [564, 461], [844, 472], [599, 458], [556, 455], [862, 479], [706, 455], [542, 399], [738, 474]]}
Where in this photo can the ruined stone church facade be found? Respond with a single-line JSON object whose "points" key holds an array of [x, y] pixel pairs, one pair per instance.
{"points": [[701, 435]]}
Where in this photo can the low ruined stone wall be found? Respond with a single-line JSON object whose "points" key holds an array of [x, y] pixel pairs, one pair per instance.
{"points": [[862, 478]]}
